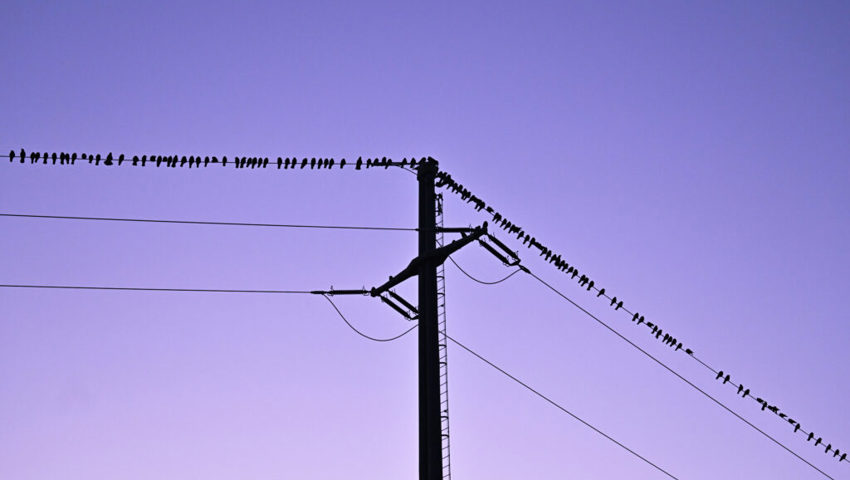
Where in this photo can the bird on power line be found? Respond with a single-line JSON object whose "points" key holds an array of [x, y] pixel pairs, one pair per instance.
{"points": [[740, 388], [265, 162], [726, 379], [619, 304], [719, 375], [303, 162], [342, 164], [796, 427], [120, 159], [817, 442], [312, 163], [843, 457], [828, 448], [679, 346], [640, 320], [359, 163], [613, 301], [590, 286], [811, 436], [601, 292]]}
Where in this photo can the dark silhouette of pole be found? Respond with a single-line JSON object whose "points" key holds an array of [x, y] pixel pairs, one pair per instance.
{"points": [[430, 440]]}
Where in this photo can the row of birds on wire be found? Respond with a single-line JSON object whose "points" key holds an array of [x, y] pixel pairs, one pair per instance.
{"points": [[190, 161], [445, 180]]}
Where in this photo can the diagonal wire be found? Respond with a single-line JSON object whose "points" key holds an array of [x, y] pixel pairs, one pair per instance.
{"points": [[656, 360], [560, 407], [199, 222], [363, 334]]}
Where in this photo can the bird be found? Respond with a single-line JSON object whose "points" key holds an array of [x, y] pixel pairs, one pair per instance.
{"points": [[590, 286], [303, 162], [313, 164], [342, 164], [811, 435], [843, 456], [158, 161], [817, 442], [689, 351], [279, 163], [265, 162], [635, 317], [601, 292], [837, 452], [719, 374], [796, 427], [613, 301], [658, 333], [183, 160], [640, 320], [23, 155], [747, 392], [53, 157], [224, 161], [828, 448], [359, 163], [726, 379], [96, 159], [763, 406], [679, 346], [619, 304]]}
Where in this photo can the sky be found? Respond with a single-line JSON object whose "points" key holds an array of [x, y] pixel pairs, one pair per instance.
{"points": [[691, 157]]}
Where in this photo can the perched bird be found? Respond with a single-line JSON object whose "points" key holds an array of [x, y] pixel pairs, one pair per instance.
{"points": [[828, 448], [73, 158], [719, 374], [11, 155], [158, 160], [96, 159], [601, 292], [613, 301], [53, 157], [342, 164], [843, 457], [726, 379], [279, 163], [796, 427], [640, 320], [635, 317], [265, 162], [23, 155], [658, 334], [837, 452], [224, 161], [817, 442], [679, 346], [811, 435], [590, 286], [359, 163], [619, 304], [763, 406], [303, 162], [746, 392], [689, 351]]}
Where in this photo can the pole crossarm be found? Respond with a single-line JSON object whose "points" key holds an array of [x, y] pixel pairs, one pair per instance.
{"points": [[437, 257]]}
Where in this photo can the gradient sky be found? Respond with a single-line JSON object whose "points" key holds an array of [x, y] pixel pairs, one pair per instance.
{"points": [[692, 157]]}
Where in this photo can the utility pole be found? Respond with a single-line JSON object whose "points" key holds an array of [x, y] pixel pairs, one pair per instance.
{"points": [[430, 440]]}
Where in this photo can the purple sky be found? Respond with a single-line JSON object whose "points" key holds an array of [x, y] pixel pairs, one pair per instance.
{"points": [[692, 157]]}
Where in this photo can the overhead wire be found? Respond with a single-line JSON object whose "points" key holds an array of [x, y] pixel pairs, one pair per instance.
{"points": [[204, 222], [445, 181], [482, 281], [560, 407], [669, 369], [374, 339], [155, 289]]}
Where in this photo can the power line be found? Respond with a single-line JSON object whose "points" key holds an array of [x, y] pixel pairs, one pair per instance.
{"points": [[363, 334], [482, 281], [445, 180], [155, 289], [199, 222], [560, 407], [656, 360]]}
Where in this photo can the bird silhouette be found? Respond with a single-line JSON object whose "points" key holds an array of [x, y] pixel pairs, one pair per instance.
{"points": [[312, 163], [843, 457], [279, 163], [619, 305], [635, 317], [53, 157], [640, 320], [265, 162], [746, 392], [590, 286], [613, 301], [303, 162], [828, 448], [23, 155], [224, 161], [796, 427], [719, 374], [811, 435], [658, 333], [679, 346], [97, 159], [726, 379], [837, 452], [763, 406], [817, 442], [342, 164], [601, 292]]}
